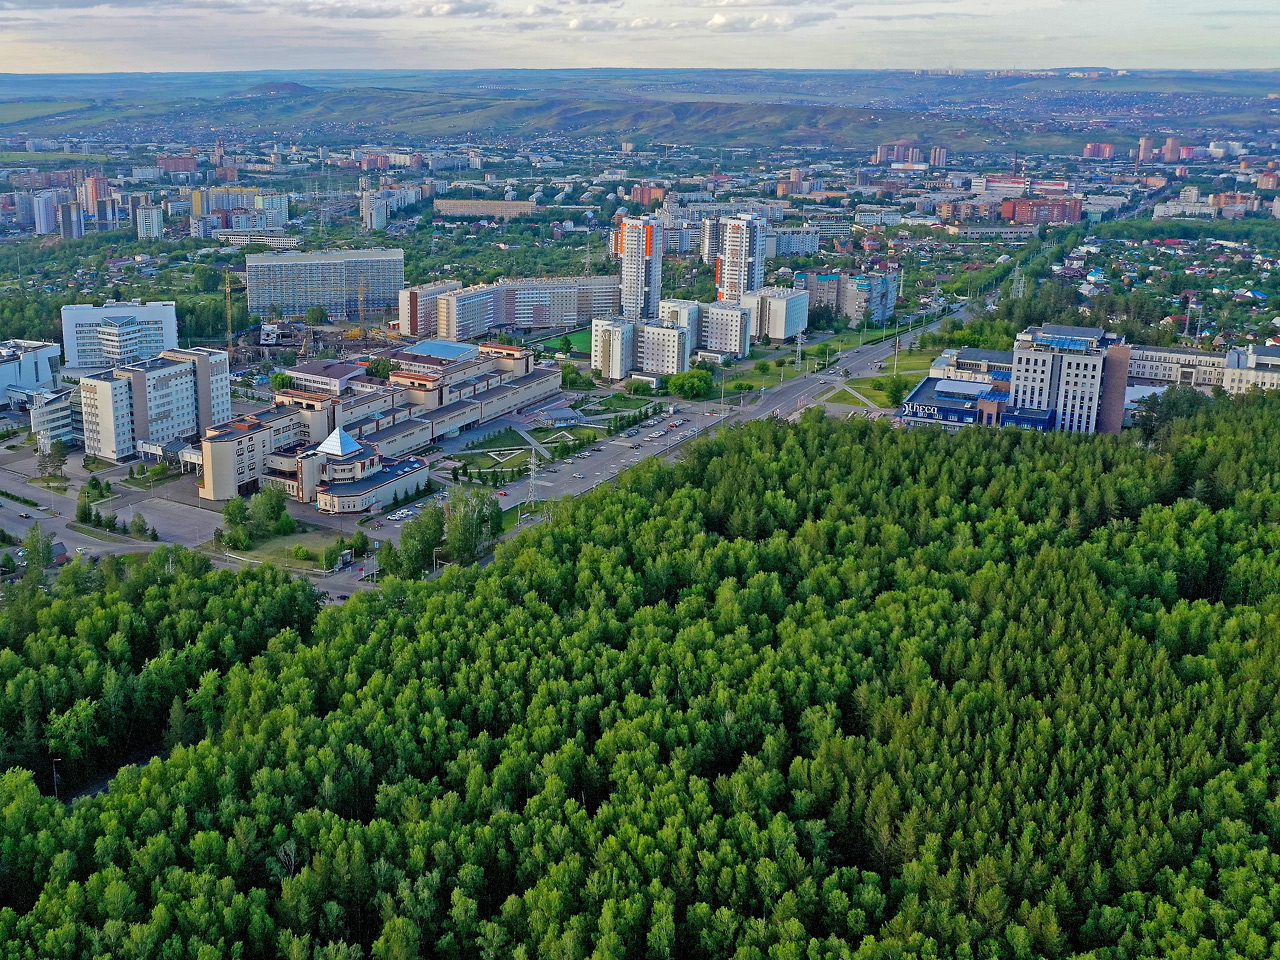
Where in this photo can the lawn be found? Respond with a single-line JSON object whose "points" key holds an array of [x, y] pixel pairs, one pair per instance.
{"points": [[911, 369], [506, 439], [484, 462], [845, 397], [550, 436], [581, 340], [277, 549], [616, 403]]}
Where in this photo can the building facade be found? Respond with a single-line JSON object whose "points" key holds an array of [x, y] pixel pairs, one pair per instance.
{"points": [[613, 348], [117, 333], [727, 329], [740, 263], [140, 407], [640, 248], [564, 302], [1074, 376], [778, 313], [349, 284]]}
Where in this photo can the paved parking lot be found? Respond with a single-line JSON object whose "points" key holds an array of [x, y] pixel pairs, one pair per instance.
{"points": [[179, 522]]}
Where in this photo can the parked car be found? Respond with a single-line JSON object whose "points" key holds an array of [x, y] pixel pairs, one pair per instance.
{"points": [[578, 476]]}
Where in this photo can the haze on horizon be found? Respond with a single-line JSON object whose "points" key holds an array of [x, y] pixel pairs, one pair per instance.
{"points": [[91, 36]]}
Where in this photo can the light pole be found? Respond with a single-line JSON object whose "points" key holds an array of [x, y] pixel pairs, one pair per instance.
{"points": [[435, 559], [56, 761]]}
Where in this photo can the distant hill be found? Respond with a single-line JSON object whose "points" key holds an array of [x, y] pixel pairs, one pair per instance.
{"points": [[284, 88]]}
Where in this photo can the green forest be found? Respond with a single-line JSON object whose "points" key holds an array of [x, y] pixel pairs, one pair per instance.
{"points": [[823, 690]]}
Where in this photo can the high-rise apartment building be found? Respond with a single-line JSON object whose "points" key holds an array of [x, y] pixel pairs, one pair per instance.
{"points": [[1098, 151], [44, 209], [662, 350], [142, 406], [858, 296], [740, 264], [640, 248], [71, 220], [1023, 210], [613, 347], [91, 190], [150, 221], [1146, 149], [117, 333], [727, 328], [349, 284], [938, 157], [418, 307], [1172, 150], [684, 313]]}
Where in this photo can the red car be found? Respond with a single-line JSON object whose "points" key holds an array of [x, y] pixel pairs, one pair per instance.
{"points": [[502, 493]]}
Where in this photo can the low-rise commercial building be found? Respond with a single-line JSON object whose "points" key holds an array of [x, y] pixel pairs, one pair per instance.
{"points": [[26, 366]]}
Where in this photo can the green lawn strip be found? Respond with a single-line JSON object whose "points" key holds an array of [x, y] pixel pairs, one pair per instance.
{"points": [[505, 439], [844, 397], [97, 534], [550, 436], [276, 550], [485, 462]]}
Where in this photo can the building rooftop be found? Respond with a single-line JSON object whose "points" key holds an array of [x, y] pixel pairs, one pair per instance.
{"points": [[443, 350], [339, 444], [978, 355], [320, 256], [391, 470]]}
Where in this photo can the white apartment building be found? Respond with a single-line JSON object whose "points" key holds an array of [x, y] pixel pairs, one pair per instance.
{"points": [[45, 212], [117, 333], [727, 328], [418, 307], [613, 348], [640, 248], [276, 207], [792, 241], [778, 313], [663, 351], [684, 313], [740, 263], [142, 406], [349, 284], [468, 312], [150, 222]]}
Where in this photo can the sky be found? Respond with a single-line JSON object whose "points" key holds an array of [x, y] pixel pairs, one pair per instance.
{"points": [[90, 36]]}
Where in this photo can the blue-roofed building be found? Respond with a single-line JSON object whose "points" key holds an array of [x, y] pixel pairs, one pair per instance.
{"points": [[952, 404], [1078, 374], [444, 350]]}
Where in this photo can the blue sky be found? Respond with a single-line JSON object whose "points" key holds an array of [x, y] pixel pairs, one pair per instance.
{"points": [[83, 36]]}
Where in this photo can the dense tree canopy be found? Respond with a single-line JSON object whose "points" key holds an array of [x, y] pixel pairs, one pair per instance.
{"points": [[822, 690]]}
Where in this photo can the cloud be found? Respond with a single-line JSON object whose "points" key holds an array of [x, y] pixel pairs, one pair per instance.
{"points": [[764, 22]]}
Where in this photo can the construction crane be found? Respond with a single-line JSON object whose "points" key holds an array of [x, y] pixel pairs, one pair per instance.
{"points": [[230, 282]]}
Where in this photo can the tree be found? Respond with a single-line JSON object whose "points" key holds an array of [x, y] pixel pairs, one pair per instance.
{"points": [[691, 385], [638, 388], [281, 381], [566, 345], [762, 367], [315, 316], [235, 512], [419, 539], [53, 462], [896, 390], [467, 518], [138, 526], [39, 550]]}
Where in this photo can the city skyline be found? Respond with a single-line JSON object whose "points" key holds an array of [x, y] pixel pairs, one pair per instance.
{"points": [[86, 36]]}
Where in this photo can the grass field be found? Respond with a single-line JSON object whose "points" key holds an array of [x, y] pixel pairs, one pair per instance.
{"points": [[616, 403], [276, 550], [502, 440], [485, 462], [581, 340], [553, 435], [30, 109], [845, 397]]}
